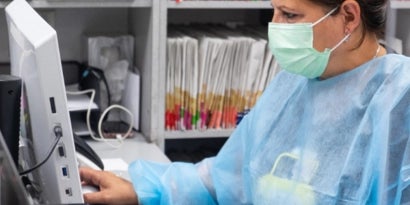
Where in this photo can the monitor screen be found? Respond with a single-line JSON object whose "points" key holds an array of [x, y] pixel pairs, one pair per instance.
{"points": [[45, 125], [10, 91]]}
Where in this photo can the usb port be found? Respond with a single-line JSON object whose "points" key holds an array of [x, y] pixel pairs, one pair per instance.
{"points": [[61, 151], [64, 170], [68, 192], [52, 105]]}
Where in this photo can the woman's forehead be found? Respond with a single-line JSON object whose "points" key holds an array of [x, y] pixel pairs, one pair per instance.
{"points": [[294, 4]]}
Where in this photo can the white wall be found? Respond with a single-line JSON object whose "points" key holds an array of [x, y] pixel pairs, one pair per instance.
{"points": [[71, 25], [403, 29]]}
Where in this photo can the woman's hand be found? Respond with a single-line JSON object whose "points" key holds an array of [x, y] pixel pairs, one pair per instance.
{"points": [[112, 189]]}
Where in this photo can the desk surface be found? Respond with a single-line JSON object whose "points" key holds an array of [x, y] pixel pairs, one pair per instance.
{"points": [[134, 148]]}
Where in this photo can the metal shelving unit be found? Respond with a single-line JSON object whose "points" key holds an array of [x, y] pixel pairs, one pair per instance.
{"points": [[394, 24], [67, 4], [219, 4], [76, 19], [212, 133], [400, 4], [195, 9]]}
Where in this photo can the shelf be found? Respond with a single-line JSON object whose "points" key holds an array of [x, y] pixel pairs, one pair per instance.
{"points": [[400, 4], [198, 134], [86, 3], [219, 5]]}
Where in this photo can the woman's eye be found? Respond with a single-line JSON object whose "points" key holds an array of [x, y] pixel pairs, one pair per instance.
{"points": [[289, 15], [286, 16]]}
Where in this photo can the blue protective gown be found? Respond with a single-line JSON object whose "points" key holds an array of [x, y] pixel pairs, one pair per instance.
{"points": [[343, 140]]}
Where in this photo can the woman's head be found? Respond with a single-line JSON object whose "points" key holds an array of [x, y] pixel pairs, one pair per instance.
{"points": [[343, 30], [372, 13]]}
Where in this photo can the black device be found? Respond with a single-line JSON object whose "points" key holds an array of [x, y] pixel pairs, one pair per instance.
{"points": [[10, 92], [94, 78], [83, 148]]}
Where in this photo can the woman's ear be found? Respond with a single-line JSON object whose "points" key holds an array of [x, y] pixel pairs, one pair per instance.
{"points": [[350, 9]]}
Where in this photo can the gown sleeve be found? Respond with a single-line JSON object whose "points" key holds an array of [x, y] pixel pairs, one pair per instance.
{"points": [[189, 183], [223, 179]]}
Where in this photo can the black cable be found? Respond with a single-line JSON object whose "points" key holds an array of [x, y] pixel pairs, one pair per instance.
{"points": [[99, 73], [58, 132], [108, 89]]}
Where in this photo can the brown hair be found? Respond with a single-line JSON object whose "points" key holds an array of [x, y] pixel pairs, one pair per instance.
{"points": [[373, 14]]}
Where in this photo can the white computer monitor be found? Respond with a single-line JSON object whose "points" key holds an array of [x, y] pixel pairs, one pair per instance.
{"points": [[35, 57]]}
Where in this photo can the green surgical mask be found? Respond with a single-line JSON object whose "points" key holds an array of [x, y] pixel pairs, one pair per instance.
{"points": [[292, 46]]}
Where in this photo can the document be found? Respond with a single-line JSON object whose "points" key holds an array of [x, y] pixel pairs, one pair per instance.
{"points": [[214, 74], [80, 103]]}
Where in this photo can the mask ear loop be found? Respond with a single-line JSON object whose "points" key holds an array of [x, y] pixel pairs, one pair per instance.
{"points": [[340, 42], [325, 16]]}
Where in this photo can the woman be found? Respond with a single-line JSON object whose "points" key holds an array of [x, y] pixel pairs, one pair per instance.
{"points": [[332, 128]]}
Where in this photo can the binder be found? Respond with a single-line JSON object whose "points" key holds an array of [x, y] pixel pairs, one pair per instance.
{"points": [[215, 74]]}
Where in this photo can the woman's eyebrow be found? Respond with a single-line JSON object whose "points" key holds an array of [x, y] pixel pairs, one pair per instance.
{"points": [[284, 8]]}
